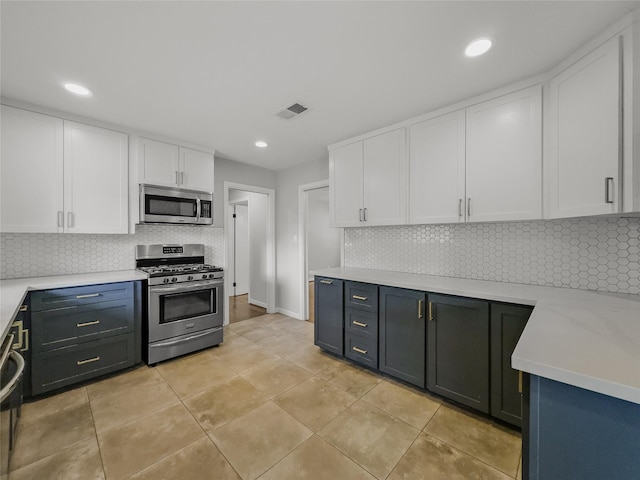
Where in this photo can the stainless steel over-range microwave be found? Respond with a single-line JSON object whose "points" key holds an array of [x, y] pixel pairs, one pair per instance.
{"points": [[175, 205]]}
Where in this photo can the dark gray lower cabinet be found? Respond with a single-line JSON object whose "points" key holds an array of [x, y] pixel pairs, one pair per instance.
{"points": [[507, 324], [402, 335], [328, 314], [79, 333], [458, 350]]}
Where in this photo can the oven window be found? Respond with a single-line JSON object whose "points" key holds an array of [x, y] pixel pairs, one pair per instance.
{"points": [[170, 206], [178, 306]]}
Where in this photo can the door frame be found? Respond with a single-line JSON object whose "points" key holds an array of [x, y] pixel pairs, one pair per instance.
{"points": [[270, 247], [231, 223], [303, 215]]}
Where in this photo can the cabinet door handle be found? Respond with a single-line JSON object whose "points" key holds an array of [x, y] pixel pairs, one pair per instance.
{"points": [[608, 189], [419, 308], [430, 311], [61, 219], [364, 211], [70, 219], [459, 207], [519, 381], [89, 295], [359, 350], [181, 178], [86, 324], [360, 324], [358, 297], [88, 360], [469, 207], [327, 282], [360, 215]]}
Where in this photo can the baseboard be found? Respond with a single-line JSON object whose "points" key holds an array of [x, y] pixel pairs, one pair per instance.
{"points": [[289, 313], [257, 303]]}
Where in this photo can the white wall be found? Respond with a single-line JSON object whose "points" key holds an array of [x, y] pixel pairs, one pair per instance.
{"points": [[323, 242], [258, 207], [236, 172], [288, 265]]}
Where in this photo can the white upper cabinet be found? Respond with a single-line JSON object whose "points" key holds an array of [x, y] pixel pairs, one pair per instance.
{"points": [[60, 176], [368, 181], [196, 170], [172, 166], [583, 152], [437, 170], [31, 172], [158, 163], [96, 163], [345, 185], [504, 158]]}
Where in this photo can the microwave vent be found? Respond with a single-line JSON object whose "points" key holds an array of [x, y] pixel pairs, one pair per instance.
{"points": [[292, 111]]}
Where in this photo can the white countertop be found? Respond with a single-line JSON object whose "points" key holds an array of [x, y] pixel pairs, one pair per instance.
{"points": [[582, 338], [12, 292]]}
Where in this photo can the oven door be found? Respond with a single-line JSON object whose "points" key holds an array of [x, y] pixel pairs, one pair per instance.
{"points": [[184, 308]]}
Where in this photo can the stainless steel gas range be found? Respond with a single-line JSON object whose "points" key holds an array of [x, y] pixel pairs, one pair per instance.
{"points": [[185, 300]]}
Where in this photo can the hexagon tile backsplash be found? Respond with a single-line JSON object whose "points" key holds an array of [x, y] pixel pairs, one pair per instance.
{"points": [[590, 253], [41, 254]]}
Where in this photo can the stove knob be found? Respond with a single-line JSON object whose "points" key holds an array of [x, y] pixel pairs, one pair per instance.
{"points": [[174, 279], [205, 276], [190, 277], [166, 280]]}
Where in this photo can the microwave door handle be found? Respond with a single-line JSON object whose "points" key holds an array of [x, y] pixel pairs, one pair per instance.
{"points": [[198, 209]]}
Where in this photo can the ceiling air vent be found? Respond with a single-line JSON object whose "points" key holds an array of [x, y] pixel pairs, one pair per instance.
{"points": [[292, 111]]}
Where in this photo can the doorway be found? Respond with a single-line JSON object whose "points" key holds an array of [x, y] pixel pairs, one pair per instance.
{"points": [[249, 251], [321, 246]]}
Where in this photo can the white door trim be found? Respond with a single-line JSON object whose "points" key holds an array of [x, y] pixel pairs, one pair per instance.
{"points": [[271, 244], [303, 276]]}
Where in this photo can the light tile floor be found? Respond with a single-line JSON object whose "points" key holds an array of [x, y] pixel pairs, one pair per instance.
{"points": [[266, 404]]}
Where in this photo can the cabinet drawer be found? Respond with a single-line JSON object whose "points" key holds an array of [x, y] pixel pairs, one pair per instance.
{"points": [[65, 366], [65, 326], [76, 296], [361, 349], [362, 296], [361, 323]]}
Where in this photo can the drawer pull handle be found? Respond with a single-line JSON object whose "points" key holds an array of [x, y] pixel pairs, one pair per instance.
{"points": [[359, 350], [88, 360], [358, 297], [90, 295], [23, 308], [360, 324], [86, 324], [327, 282]]}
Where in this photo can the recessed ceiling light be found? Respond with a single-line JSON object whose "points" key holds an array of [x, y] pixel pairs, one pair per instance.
{"points": [[78, 89], [261, 144], [478, 47]]}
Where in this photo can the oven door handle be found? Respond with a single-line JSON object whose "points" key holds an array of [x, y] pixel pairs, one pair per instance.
{"points": [[185, 288], [11, 386], [181, 340]]}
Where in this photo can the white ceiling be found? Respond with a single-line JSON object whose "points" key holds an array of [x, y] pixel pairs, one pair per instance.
{"points": [[215, 73]]}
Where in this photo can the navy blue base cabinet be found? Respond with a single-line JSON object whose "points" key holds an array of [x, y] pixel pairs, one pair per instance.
{"points": [[328, 315], [576, 434]]}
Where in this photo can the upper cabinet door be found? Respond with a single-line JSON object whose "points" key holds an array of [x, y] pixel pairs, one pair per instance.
{"points": [[96, 163], [196, 170], [504, 158], [31, 179], [345, 185], [582, 162], [158, 163], [385, 179], [436, 170]]}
